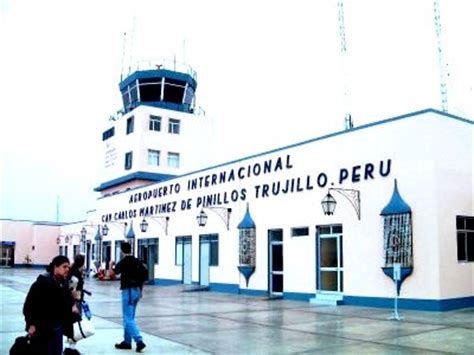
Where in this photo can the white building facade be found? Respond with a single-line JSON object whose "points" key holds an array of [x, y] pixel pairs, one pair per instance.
{"points": [[286, 246]]}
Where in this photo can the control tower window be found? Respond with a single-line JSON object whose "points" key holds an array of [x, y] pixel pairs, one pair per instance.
{"points": [[153, 157], [133, 94], [150, 89], [188, 98], [155, 123], [173, 126], [128, 160], [130, 125], [173, 160], [126, 98], [174, 90]]}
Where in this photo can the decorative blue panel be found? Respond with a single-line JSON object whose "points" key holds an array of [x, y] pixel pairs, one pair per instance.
{"points": [[398, 238], [247, 246]]}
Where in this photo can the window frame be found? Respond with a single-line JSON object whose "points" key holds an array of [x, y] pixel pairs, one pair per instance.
{"points": [[154, 122], [128, 160], [174, 126], [465, 244], [158, 153], [173, 157], [130, 125], [299, 231]]}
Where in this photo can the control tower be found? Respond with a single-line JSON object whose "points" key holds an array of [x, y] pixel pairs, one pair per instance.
{"points": [[158, 133]]}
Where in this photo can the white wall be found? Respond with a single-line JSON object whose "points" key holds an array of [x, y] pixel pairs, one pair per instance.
{"points": [[430, 158]]}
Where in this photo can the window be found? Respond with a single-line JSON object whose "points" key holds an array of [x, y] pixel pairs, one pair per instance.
{"points": [[213, 240], [130, 125], [173, 160], [465, 238], [153, 157], [173, 126], [108, 133], [128, 160], [299, 231], [155, 123], [76, 250]]}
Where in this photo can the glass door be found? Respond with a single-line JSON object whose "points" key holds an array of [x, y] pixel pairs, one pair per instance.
{"points": [[330, 261], [275, 262]]}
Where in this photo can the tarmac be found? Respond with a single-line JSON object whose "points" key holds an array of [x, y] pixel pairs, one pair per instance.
{"points": [[174, 321]]}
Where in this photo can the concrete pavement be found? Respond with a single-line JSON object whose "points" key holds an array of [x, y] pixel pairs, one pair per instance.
{"points": [[177, 322]]}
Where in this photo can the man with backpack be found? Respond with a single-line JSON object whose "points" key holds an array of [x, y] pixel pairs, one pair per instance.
{"points": [[133, 276]]}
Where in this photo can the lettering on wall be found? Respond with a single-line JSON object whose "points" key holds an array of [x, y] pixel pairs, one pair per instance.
{"points": [[273, 187]]}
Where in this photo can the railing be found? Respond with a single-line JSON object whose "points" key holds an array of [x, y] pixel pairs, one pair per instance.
{"points": [[154, 64]]}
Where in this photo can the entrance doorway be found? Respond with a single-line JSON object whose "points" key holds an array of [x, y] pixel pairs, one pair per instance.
{"points": [[184, 258], [107, 253], [204, 256], [148, 254], [7, 254], [208, 256], [275, 262], [330, 267]]}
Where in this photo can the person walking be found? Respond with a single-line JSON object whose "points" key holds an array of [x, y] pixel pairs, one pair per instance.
{"points": [[131, 285], [49, 307]]}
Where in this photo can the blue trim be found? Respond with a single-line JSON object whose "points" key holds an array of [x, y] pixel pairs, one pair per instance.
{"points": [[162, 104], [297, 296], [255, 293], [327, 136], [408, 303], [131, 233], [396, 205], [247, 222], [160, 73], [378, 302], [166, 282], [139, 175], [5, 243], [227, 288], [30, 266]]}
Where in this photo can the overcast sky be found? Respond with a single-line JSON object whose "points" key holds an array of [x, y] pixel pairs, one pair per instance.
{"points": [[269, 74]]}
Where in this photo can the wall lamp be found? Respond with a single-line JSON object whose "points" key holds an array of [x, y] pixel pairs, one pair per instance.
{"points": [[105, 228], [222, 212], [161, 220], [329, 202]]}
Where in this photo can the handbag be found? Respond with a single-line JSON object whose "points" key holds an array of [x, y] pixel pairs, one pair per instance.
{"points": [[24, 345], [83, 329]]}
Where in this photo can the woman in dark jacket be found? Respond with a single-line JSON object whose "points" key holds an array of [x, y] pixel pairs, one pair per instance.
{"points": [[49, 306]]}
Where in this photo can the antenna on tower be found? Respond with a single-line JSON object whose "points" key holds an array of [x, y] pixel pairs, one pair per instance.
{"points": [[348, 124], [123, 54], [441, 62], [131, 46], [184, 51]]}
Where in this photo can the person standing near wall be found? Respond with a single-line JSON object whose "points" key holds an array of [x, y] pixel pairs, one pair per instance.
{"points": [[131, 285], [49, 307]]}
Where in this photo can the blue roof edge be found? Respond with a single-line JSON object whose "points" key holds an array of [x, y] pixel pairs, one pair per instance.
{"points": [[142, 175]]}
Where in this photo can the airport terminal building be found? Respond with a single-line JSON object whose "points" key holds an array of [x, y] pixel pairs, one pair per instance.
{"points": [[345, 218]]}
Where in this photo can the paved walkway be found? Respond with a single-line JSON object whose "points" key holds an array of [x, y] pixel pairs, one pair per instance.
{"points": [[177, 322]]}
